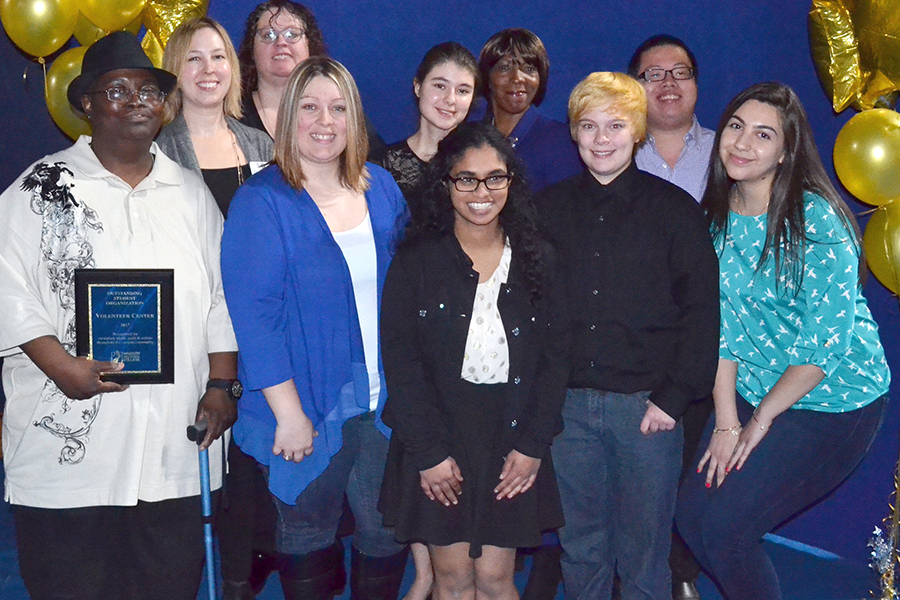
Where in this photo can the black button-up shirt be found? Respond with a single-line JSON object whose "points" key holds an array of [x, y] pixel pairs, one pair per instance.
{"points": [[642, 280]]}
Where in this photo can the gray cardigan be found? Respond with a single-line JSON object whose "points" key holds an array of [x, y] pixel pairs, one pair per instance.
{"points": [[175, 142]]}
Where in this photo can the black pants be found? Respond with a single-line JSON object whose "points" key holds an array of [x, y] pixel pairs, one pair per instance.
{"points": [[152, 551], [245, 516], [682, 562]]}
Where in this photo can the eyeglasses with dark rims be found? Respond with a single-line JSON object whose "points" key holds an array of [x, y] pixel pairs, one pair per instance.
{"points": [[654, 74], [493, 183]]}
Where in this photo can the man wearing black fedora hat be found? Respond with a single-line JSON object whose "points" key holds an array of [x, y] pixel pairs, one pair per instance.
{"points": [[103, 481]]}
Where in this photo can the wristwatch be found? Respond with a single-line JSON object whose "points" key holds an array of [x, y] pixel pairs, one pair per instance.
{"points": [[233, 386]]}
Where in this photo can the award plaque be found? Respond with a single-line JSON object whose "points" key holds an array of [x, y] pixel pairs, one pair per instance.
{"points": [[127, 316]]}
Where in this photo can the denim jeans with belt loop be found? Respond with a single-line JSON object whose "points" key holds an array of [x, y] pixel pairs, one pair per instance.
{"points": [[618, 489], [357, 469]]}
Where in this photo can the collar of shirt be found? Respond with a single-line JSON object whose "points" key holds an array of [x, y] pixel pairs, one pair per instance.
{"points": [[694, 135], [624, 187], [524, 125], [164, 170]]}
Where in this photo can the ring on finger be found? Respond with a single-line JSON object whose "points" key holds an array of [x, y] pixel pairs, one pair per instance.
{"points": [[286, 456]]}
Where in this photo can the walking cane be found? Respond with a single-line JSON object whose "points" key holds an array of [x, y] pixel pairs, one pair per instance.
{"points": [[196, 433]]}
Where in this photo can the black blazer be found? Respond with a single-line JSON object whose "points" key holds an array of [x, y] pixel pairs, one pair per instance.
{"points": [[426, 309]]}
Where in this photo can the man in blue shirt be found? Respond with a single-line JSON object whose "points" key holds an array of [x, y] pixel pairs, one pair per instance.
{"points": [[677, 149]]}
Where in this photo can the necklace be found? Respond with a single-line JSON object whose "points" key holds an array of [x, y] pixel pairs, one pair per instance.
{"points": [[237, 158], [262, 114], [738, 200]]}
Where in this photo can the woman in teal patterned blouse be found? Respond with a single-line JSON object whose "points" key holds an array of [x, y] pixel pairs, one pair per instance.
{"points": [[800, 388]]}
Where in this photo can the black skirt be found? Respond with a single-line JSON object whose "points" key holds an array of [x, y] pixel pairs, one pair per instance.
{"points": [[475, 426]]}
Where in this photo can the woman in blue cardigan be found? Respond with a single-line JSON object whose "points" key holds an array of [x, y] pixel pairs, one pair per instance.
{"points": [[308, 244]]}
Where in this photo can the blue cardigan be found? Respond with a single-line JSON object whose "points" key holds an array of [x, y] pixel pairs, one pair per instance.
{"points": [[291, 301]]}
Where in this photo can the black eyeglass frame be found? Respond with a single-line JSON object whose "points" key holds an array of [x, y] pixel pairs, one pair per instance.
{"points": [[506, 179], [666, 73]]}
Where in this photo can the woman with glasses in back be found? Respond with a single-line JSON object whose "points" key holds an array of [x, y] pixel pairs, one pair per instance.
{"points": [[278, 36], [474, 363]]}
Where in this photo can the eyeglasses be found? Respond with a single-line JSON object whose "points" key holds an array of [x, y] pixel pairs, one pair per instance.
{"points": [[270, 36], [470, 184], [119, 95], [654, 74]]}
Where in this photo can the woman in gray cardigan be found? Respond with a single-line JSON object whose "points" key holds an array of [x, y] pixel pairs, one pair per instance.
{"points": [[204, 133]]}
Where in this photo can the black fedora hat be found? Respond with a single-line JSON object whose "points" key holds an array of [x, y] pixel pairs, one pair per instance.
{"points": [[118, 50]]}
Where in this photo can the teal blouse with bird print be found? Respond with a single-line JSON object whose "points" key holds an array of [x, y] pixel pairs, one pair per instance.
{"points": [[769, 324]]}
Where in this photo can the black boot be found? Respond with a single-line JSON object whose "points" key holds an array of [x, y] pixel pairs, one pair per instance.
{"points": [[261, 567], [546, 573], [378, 578], [319, 575]]}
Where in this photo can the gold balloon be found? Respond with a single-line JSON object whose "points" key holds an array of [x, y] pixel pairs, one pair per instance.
{"points": [[39, 27], [882, 243], [64, 69], [111, 15], [856, 47], [833, 45], [162, 17], [153, 49], [867, 156], [877, 25], [87, 33]]}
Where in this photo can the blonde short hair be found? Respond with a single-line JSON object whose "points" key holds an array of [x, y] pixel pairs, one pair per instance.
{"points": [[615, 93], [176, 54], [353, 172]]}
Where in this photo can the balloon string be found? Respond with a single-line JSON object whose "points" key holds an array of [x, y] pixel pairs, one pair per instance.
{"points": [[871, 211], [46, 84]]}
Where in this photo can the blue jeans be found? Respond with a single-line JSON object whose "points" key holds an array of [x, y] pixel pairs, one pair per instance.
{"points": [[805, 455], [311, 524], [618, 490]]}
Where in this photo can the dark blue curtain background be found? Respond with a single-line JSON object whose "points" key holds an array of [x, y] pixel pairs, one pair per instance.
{"points": [[737, 43]]}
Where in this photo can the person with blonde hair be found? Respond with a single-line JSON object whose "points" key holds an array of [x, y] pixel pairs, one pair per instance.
{"points": [[204, 135], [640, 268], [203, 132], [322, 225]]}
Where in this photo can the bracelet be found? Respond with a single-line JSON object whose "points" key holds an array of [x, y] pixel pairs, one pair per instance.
{"points": [[736, 430], [761, 426]]}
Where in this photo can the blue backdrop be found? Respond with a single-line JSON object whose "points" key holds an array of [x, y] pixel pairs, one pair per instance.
{"points": [[737, 43]]}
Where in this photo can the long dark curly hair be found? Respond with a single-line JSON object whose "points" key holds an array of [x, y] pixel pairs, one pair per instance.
{"points": [[435, 216]]}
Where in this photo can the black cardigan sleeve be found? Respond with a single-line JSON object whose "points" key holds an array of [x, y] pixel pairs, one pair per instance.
{"points": [[411, 410], [543, 414]]}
